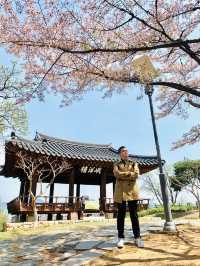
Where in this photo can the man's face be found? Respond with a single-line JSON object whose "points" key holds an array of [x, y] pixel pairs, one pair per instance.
{"points": [[124, 154]]}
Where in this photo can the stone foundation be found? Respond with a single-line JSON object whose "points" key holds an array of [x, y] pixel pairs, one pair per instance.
{"points": [[72, 216], [30, 218], [109, 215]]}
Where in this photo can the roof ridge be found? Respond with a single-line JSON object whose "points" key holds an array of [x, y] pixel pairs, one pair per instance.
{"points": [[41, 136], [136, 156], [143, 156], [18, 139]]}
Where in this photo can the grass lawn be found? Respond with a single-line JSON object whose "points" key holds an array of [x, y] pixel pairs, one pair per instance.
{"points": [[3, 219], [164, 249], [85, 225], [90, 204], [51, 229]]}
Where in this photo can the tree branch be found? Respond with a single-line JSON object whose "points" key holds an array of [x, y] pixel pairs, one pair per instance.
{"points": [[197, 105]]}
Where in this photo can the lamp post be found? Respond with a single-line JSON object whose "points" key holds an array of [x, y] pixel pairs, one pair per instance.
{"points": [[169, 224], [147, 72]]}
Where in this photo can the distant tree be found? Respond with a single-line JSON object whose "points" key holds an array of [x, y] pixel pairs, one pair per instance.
{"points": [[152, 185], [86, 197], [13, 91], [187, 177]]}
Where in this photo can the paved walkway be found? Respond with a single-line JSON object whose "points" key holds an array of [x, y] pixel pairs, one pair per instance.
{"points": [[77, 247]]}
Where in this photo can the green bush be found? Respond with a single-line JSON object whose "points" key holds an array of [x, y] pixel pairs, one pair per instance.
{"points": [[3, 219], [159, 211]]}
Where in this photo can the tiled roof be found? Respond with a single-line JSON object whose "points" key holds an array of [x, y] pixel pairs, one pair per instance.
{"points": [[43, 144]]}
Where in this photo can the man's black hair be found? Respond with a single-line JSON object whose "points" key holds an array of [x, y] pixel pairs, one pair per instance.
{"points": [[121, 148]]}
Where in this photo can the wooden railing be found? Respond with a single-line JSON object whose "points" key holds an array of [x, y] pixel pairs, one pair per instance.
{"points": [[14, 206], [45, 204], [108, 205]]}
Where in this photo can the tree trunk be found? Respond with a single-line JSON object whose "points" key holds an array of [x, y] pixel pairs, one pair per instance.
{"points": [[33, 204], [199, 208]]}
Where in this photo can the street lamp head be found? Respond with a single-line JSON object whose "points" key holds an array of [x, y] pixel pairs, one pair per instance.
{"points": [[148, 89], [144, 69]]}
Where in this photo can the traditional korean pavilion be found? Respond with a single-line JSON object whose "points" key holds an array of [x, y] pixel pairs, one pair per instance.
{"points": [[91, 164]]}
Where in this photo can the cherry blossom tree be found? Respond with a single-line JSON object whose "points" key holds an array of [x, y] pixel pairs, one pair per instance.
{"points": [[74, 46]]}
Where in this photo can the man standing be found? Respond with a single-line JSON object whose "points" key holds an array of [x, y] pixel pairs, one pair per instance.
{"points": [[83, 203], [126, 191]]}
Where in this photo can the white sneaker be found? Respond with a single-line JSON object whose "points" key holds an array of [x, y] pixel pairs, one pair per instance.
{"points": [[139, 242], [120, 243]]}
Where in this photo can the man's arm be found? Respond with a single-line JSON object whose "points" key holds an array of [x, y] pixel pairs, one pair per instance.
{"points": [[135, 173], [121, 175], [128, 175]]}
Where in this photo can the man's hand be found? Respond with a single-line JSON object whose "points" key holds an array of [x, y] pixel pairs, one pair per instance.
{"points": [[129, 174], [126, 177]]}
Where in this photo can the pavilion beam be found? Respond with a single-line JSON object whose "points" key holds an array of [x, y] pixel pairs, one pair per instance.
{"points": [[51, 194]]}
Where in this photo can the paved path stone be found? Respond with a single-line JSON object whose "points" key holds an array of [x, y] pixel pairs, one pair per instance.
{"points": [[88, 244], [67, 247], [83, 258], [107, 245], [155, 228], [67, 255], [105, 234]]}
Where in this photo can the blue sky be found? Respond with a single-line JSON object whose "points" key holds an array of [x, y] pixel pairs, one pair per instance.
{"points": [[120, 120]]}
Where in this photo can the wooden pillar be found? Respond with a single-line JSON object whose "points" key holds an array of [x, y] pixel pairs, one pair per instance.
{"points": [[24, 197], [71, 193], [114, 182], [34, 186], [59, 216], [80, 213], [51, 193], [102, 190], [26, 191], [22, 188], [22, 217], [78, 190], [71, 185]]}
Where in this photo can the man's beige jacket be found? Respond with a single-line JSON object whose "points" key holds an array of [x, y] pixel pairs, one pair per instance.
{"points": [[126, 187]]}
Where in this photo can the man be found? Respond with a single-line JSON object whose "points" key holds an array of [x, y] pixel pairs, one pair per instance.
{"points": [[83, 202], [126, 190]]}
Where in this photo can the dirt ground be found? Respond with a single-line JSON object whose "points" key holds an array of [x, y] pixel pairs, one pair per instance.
{"points": [[181, 248]]}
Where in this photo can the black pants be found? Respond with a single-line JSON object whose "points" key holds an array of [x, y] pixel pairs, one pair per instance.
{"points": [[132, 204]]}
